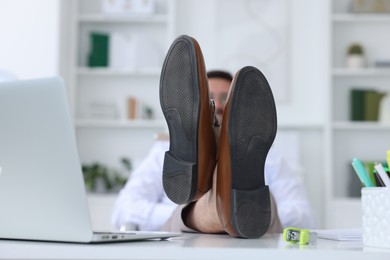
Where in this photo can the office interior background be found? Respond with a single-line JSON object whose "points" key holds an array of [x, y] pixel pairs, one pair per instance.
{"points": [[303, 47]]}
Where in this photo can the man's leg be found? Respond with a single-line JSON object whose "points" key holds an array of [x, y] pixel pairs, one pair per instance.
{"points": [[204, 219], [239, 201], [202, 216], [248, 130], [198, 216], [240, 204]]}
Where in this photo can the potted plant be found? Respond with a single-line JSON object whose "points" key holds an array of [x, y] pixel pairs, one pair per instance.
{"points": [[99, 178], [96, 177], [355, 56]]}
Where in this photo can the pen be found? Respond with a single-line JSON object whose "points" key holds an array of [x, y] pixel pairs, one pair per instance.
{"points": [[378, 180], [382, 174], [361, 172]]}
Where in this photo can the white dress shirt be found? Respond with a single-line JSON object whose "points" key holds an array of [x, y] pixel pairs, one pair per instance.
{"points": [[143, 203]]}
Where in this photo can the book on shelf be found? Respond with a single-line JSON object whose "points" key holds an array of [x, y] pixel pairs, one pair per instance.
{"points": [[375, 7], [128, 6], [103, 110], [122, 51], [385, 63], [357, 104], [364, 104], [99, 50]]}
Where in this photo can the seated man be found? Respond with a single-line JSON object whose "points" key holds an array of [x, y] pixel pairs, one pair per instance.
{"points": [[213, 206], [142, 204]]}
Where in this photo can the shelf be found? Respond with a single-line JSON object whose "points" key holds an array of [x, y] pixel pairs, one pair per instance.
{"points": [[103, 18], [155, 72], [361, 18], [364, 72], [299, 126], [141, 124], [361, 126], [161, 123], [343, 201]]}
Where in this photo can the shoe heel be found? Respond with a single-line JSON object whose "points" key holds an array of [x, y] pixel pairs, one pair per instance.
{"points": [[179, 179], [251, 212]]}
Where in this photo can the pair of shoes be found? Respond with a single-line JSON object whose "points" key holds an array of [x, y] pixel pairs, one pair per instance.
{"points": [[247, 133]]}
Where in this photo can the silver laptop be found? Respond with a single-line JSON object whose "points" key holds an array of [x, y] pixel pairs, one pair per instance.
{"points": [[42, 192]]}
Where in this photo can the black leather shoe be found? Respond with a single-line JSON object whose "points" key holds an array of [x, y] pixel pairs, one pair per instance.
{"points": [[248, 130], [184, 96]]}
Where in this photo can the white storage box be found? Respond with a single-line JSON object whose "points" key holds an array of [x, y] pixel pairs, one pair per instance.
{"points": [[376, 217]]}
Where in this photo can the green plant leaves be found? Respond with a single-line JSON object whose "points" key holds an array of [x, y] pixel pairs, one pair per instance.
{"points": [[112, 179]]}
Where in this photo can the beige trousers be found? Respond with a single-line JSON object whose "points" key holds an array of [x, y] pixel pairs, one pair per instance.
{"points": [[176, 224]]}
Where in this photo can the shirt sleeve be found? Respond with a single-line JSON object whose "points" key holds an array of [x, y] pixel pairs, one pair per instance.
{"points": [[142, 202], [289, 192]]}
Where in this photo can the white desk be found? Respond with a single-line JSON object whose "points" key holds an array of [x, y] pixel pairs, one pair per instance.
{"points": [[193, 246]]}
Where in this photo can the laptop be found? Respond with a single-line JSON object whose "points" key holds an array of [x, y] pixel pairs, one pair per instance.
{"points": [[42, 192]]}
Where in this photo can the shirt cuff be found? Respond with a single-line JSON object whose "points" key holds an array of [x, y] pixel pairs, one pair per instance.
{"points": [[159, 214]]}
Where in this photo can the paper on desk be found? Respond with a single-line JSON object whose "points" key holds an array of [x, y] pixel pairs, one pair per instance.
{"points": [[352, 234]]}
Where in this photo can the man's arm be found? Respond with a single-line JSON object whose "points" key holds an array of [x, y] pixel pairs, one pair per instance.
{"points": [[142, 202], [289, 192]]}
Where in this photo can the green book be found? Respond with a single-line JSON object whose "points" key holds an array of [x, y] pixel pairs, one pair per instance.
{"points": [[371, 105], [357, 104], [99, 50]]}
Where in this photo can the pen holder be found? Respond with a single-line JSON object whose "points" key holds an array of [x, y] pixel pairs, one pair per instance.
{"points": [[376, 217]]}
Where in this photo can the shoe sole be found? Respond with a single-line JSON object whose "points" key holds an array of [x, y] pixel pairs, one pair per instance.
{"points": [[252, 129], [180, 98]]}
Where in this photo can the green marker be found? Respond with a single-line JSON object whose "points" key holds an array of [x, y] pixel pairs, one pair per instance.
{"points": [[362, 173]]}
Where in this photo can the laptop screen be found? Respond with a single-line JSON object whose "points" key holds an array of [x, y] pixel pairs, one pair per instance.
{"points": [[42, 193]]}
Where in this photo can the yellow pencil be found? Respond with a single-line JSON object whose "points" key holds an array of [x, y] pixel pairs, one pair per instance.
{"points": [[388, 159]]}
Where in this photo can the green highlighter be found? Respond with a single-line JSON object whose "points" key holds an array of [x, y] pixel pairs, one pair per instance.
{"points": [[361, 172]]}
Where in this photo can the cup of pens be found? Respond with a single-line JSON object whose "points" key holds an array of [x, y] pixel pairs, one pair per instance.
{"points": [[375, 203]]}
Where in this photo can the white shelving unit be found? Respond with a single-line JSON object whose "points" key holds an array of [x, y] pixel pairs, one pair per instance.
{"points": [[119, 72], [102, 139], [344, 17], [104, 18], [364, 140], [141, 124], [366, 72]]}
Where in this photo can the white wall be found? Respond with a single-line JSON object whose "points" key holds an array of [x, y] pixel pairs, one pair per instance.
{"points": [[29, 45], [308, 48]]}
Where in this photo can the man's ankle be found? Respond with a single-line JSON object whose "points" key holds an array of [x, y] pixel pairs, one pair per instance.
{"points": [[201, 217]]}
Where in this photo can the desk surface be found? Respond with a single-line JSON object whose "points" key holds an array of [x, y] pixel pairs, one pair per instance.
{"points": [[192, 246]]}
